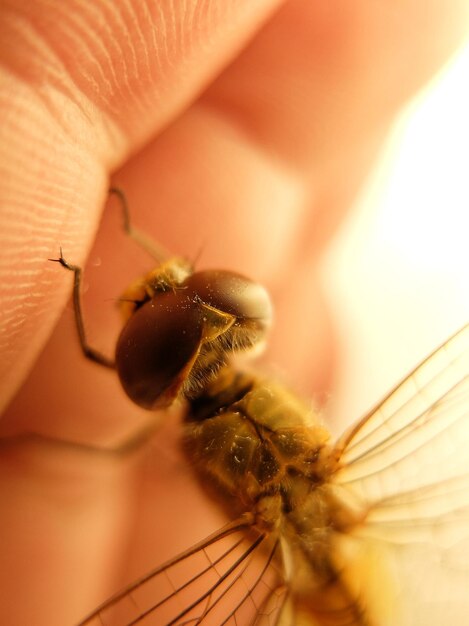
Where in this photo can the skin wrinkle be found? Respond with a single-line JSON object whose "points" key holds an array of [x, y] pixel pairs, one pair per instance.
{"points": [[169, 33], [38, 153], [128, 54], [146, 97], [24, 27], [154, 73], [32, 224], [142, 39], [112, 15], [76, 72], [173, 31], [55, 111], [189, 25], [17, 209], [41, 197], [77, 28], [104, 85], [41, 153], [54, 68], [77, 32], [153, 43], [122, 57], [162, 26]]}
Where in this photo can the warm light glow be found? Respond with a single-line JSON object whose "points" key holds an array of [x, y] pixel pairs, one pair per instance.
{"points": [[398, 274]]}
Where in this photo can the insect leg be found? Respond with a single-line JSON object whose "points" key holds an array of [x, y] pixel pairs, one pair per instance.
{"points": [[154, 249], [88, 351]]}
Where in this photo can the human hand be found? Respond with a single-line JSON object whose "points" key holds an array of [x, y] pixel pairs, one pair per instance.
{"points": [[258, 171]]}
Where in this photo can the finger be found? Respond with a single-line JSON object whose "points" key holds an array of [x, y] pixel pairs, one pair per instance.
{"points": [[86, 86]]}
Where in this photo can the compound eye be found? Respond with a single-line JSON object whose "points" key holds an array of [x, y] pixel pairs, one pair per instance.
{"points": [[157, 348], [233, 294]]}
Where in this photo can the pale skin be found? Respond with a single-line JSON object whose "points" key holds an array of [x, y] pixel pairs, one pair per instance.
{"points": [[240, 129]]}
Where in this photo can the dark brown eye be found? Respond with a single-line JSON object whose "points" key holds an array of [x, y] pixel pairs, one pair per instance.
{"points": [[180, 338], [157, 347], [233, 294]]}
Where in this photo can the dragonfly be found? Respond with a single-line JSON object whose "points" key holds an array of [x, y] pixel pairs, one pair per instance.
{"points": [[371, 529]]}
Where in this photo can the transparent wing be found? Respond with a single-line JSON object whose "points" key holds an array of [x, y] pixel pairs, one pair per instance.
{"points": [[229, 578], [414, 436], [407, 464]]}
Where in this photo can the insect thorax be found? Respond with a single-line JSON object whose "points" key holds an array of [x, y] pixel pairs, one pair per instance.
{"points": [[254, 439]]}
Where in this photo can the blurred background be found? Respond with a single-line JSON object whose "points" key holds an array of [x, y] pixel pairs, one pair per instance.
{"points": [[397, 273]]}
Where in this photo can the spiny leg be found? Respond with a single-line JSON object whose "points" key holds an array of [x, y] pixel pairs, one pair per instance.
{"points": [[143, 240], [143, 435], [88, 351], [158, 252]]}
